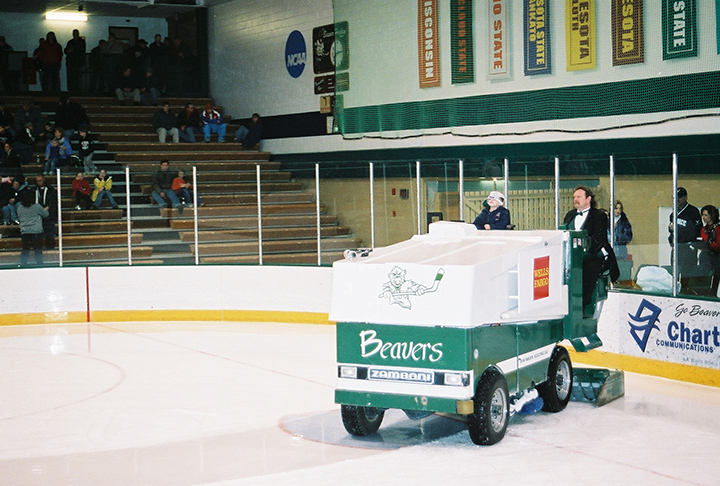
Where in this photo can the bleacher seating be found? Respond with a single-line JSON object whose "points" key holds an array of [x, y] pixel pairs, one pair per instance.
{"points": [[226, 179]]}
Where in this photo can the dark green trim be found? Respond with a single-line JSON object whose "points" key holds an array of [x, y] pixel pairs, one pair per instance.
{"points": [[697, 154], [696, 91]]}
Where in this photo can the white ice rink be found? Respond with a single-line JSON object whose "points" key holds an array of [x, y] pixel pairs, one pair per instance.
{"points": [[199, 403]]}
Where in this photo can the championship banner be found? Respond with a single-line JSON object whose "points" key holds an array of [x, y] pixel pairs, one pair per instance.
{"points": [[428, 44], [580, 35], [536, 35], [627, 32], [679, 29], [499, 54], [461, 39], [670, 329]]}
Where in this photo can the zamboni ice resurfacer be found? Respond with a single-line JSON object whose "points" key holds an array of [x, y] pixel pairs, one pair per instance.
{"points": [[461, 321]]}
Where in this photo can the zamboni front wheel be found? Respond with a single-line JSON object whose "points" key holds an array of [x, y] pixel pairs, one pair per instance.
{"points": [[556, 390], [489, 421], [361, 421]]}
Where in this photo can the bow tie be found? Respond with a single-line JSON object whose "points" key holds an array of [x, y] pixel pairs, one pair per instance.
{"points": [[580, 213]]}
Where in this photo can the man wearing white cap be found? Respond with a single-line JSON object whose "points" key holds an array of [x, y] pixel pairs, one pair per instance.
{"points": [[496, 216]]}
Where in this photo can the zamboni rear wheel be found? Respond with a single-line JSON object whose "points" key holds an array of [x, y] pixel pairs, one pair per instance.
{"points": [[556, 390], [361, 421], [488, 423]]}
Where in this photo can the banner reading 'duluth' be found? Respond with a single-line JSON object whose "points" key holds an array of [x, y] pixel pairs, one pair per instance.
{"points": [[580, 37], [499, 54], [428, 44], [627, 32]]}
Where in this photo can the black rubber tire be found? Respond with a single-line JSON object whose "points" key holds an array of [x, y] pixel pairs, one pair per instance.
{"points": [[557, 389], [361, 421], [489, 420]]}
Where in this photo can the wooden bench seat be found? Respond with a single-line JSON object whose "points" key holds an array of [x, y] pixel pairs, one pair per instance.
{"points": [[251, 222], [268, 234]]}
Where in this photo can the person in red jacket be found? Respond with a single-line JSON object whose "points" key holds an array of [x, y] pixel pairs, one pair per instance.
{"points": [[709, 259], [81, 190], [50, 56]]}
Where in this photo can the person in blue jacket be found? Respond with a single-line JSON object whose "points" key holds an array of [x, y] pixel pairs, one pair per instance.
{"points": [[495, 216]]}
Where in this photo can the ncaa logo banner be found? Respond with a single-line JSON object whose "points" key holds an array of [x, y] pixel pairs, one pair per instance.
{"points": [[295, 54], [670, 329]]}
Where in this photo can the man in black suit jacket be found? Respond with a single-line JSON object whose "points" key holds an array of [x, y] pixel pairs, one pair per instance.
{"points": [[599, 255]]}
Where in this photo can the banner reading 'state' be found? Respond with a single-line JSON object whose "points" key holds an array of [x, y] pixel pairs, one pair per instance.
{"points": [[462, 55], [499, 54], [679, 28], [580, 35], [536, 35], [428, 44], [628, 32]]}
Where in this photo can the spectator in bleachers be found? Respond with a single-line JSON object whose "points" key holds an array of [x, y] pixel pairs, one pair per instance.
{"points": [[709, 259], [28, 113], [159, 55], [162, 186], [5, 77], [10, 161], [165, 122], [188, 123], [623, 231], [32, 217], [213, 123], [97, 81], [184, 190], [50, 56], [689, 226], [87, 149], [46, 196], [103, 185], [8, 200], [57, 152], [6, 118], [81, 190], [74, 60], [6, 136], [138, 56], [249, 137], [149, 88], [128, 87], [112, 54], [70, 116], [25, 143]]}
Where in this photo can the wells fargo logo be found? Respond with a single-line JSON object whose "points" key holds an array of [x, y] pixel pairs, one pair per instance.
{"points": [[541, 278]]}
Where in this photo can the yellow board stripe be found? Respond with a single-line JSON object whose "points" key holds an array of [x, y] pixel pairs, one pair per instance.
{"points": [[645, 366], [166, 315]]}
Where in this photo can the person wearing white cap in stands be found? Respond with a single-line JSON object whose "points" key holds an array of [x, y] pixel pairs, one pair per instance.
{"points": [[495, 216]]}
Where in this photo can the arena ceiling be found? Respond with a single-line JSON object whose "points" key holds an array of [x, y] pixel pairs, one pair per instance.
{"points": [[113, 8]]}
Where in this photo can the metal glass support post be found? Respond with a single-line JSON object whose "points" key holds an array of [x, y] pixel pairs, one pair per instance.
{"points": [[195, 216], [372, 206], [461, 188], [557, 192], [317, 209], [127, 212], [674, 222], [611, 222], [507, 181], [419, 219], [59, 206], [259, 214]]}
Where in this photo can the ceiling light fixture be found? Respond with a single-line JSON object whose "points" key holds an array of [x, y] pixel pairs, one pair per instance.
{"points": [[66, 16]]}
